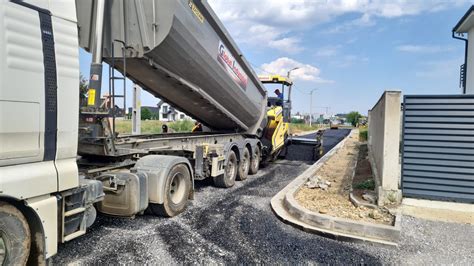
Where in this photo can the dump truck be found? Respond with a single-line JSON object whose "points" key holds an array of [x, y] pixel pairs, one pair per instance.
{"points": [[61, 162]]}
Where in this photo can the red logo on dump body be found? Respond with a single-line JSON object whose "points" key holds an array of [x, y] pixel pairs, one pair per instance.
{"points": [[231, 66]]}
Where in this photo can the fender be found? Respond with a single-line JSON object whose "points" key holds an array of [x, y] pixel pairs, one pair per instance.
{"points": [[236, 146], [253, 143], [46, 209], [41, 214], [157, 167]]}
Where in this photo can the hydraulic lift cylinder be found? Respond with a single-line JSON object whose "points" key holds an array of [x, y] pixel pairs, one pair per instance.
{"points": [[95, 78]]}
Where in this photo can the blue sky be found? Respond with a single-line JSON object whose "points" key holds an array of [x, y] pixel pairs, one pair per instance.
{"points": [[350, 51]]}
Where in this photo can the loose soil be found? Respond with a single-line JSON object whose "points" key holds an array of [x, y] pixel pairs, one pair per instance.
{"points": [[335, 200], [363, 173]]}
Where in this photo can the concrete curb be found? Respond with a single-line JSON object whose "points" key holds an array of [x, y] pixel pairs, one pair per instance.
{"points": [[452, 212], [288, 209], [357, 202]]}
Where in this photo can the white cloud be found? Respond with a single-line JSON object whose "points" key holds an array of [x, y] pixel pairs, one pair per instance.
{"points": [[410, 48], [305, 72], [275, 23], [440, 69], [350, 60], [261, 35], [288, 44], [365, 20], [328, 51]]}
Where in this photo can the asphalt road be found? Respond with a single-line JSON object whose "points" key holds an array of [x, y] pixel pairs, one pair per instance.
{"points": [[234, 225]]}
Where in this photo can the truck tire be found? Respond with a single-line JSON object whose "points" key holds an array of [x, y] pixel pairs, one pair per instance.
{"points": [[244, 165], [177, 188], [14, 236], [255, 161], [227, 179]]}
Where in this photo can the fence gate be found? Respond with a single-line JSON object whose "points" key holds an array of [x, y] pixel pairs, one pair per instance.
{"points": [[438, 147]]}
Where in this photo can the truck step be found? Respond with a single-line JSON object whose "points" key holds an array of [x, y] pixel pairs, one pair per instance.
{"points": [[74, 211], [74, 235]]}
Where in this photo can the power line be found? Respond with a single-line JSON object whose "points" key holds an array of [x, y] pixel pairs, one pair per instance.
{"points": [[300, 91]]}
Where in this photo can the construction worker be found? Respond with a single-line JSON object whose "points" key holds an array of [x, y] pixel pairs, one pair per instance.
{"points": [[280, 97]]}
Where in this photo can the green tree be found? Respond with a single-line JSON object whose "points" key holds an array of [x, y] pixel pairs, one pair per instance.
{"points": [[353, 118], [145, 114], [297, 121]]}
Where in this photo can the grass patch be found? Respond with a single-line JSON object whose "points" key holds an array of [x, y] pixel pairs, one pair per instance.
{"points": [[181, 126], [367, 184], [153, 126], [300, 127], [363, 134]]}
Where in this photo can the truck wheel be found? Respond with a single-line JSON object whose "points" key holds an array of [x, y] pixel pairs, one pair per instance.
{"points": [[255, 161], [244, 165], [177, 188], [230, 172], [15, 236]]}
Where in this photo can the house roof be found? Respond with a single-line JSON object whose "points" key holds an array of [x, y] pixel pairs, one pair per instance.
{"points": [[152, 109], [160, 103], [466, 22]]}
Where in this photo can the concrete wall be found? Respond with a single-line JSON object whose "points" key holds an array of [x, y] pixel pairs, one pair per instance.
{"points": [[384, 146], [470, 63]]}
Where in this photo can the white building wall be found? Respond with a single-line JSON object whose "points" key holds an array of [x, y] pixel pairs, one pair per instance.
{"points": [[176, 116], [470, 63]]}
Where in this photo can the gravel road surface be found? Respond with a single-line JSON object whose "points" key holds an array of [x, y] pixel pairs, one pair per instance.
{"points": [[237, 225]]}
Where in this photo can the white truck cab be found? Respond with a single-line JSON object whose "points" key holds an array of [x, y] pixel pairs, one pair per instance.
{"points": [[39, 77]]}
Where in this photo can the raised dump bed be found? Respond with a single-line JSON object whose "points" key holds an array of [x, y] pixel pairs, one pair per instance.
{"points": [[179, 51]]}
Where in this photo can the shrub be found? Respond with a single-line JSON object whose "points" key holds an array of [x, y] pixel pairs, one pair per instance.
{"points": [[145, 114], [297, 121], [367, 184], [363, 134]]}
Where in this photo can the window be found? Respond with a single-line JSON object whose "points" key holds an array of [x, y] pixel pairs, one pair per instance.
{"points": [[165, 108], [181, 116]]}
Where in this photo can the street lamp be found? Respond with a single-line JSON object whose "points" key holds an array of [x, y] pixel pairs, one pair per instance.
{"points": [[289, 93], [289, 71], [311, 106]]}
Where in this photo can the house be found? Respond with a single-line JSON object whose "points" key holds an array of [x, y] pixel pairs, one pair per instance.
{"points": [[168, 113], [163, 112], [298, 116], [436, 132], [463, 27]]}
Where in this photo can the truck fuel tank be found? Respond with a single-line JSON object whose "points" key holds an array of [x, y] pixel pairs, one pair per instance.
{"points": [[126, 194]]}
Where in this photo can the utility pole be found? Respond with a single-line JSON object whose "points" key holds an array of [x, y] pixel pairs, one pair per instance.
{"points": [[311, 106], [325, 107]]}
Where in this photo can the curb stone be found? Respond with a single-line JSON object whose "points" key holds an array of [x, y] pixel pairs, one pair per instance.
{"points": [[288, 209], [357, 202]]}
